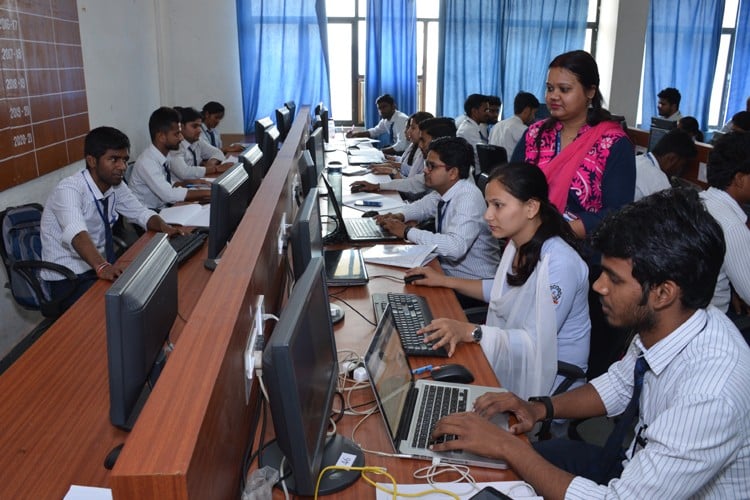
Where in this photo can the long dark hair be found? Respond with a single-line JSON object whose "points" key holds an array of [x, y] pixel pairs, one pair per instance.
{"points": [[525, 182], [583, 65]]}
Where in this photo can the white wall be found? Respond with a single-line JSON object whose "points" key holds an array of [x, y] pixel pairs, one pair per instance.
{"points": [[138, 55]]}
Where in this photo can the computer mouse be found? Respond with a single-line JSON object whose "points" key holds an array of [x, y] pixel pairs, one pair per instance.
{"points": [[370, 213], [410, 279], [452, 373]]}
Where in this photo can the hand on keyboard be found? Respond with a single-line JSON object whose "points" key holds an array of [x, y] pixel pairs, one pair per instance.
{"points": [[448, 333]]}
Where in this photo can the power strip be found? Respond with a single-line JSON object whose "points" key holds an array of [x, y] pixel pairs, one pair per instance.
{"points": [[252, 350]]}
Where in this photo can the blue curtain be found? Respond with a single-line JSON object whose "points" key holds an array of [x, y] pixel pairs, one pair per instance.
{"points": [[283, 55], [682, 45], [739, 89], [391, 62], [501, 47], [469, 52], [534, 33]]}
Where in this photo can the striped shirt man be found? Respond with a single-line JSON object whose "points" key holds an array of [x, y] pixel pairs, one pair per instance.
{"points": [[694, 434]]}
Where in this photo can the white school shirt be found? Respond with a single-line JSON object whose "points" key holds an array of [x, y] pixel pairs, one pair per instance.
{"points": [[736, 267], [507, 133], [649, 177], [693, 415], [465, 246], [398, 120], [211, 136], [148, 180], [72, 208], [414, 181], [474, 134]]}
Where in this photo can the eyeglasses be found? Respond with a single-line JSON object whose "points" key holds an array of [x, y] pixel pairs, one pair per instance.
{"points": [[428, 165]]}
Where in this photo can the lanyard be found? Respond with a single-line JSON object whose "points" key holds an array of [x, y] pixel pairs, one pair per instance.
{"points": [[99, 206]]}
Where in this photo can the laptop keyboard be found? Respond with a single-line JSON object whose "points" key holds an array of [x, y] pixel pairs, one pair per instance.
{"points": [[410, 313], [437, 402], [187, 244], [365, 227]]}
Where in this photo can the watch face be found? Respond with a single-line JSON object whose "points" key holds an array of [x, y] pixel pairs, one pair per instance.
{"points": [[477, 334]]}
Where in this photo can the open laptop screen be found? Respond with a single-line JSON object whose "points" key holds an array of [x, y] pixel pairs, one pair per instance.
{"points": [[389, 371]]}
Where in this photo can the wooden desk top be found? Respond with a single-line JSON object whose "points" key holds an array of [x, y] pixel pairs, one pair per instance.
{"points": [[354, 333], [54, 414]]}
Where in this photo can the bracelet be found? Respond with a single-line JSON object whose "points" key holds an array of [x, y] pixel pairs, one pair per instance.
{"points": [[547, 402], [101, 266]]}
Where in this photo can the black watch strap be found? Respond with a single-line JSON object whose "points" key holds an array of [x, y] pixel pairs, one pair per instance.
{"points": [[547, 402]]}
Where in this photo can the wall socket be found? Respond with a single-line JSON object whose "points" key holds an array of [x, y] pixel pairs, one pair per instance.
{"points": [[256, 332]]}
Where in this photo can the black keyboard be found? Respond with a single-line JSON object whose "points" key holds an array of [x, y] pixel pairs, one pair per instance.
{"points": [[437, 402], [410, 313], [187, 244]]}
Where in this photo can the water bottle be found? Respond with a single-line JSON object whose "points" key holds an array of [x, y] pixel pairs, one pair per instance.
{"points": [[334, 179]]}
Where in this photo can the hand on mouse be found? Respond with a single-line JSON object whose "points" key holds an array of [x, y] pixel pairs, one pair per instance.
{"points": [[447, 332], [359, 186], [431, 277]]}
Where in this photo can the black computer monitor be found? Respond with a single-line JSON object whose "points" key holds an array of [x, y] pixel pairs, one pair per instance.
{"points": [[308, 173], [283, 121], [321, 113], [270, 146], [140, 307], [230, 196], [261, 125], [300, 371], [659, 128], [317, 149], [292, 107], [306, 234], [252, 160]]}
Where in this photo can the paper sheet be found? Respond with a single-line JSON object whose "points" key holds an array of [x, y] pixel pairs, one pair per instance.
{"points": [[514, 489], [191, 214], [87, 493], [406, 256]]}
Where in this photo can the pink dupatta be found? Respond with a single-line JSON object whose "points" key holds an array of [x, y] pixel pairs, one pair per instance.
{"points": [[561, 169]]}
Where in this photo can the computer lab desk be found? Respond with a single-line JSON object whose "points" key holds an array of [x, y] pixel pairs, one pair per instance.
{"points": [[54, 409], [354, 333]]}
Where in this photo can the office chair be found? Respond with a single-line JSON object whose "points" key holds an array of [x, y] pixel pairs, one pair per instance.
{"points": [[490, 156], [22, 256], [482, 179]]}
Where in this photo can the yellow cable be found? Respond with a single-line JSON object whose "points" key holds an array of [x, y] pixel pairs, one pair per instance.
{"points": [[382, 471]]}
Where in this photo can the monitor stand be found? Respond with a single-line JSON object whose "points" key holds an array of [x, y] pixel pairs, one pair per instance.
{"points": [[332, 481]]}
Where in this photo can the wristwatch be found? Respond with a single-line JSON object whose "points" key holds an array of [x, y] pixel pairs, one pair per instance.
{"points": [[406, 231], [477, 334], [547, 402]]}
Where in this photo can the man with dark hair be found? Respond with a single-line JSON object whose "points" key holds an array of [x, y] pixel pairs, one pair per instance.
{"points": [[508, 132], [741, 122], [669, 104], [151, 179], [465, 245], [494, 103], [728, 174], [392, 124], [684, 377], [473, 127], [76, 226], [201, 157], [669, 158]]}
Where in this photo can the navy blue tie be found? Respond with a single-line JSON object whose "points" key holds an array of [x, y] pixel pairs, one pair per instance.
{"points": [[195, 158], [109, 246], [441, 205], [613, 447], [167, 173], [393, 138], [212, 136]]}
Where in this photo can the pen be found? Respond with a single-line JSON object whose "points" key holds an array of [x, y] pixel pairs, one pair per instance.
{"points": [[421, 369]]}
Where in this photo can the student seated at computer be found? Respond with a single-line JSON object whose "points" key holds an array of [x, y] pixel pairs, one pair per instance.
{"points": [[684, 377], [668, 159], [406, 171], [151, 179], [728, 175], [508, 132], [690, 125], [212, 114], [538, 300], [464, 243], [203, 158], [473, 126], [76, 226], [392, 125], [668, 105]]}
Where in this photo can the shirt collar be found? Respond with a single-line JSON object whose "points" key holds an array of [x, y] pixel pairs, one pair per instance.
{"points": [[661, 354], [453, 191], [156, 154]]}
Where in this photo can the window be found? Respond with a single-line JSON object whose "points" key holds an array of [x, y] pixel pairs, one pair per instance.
{"points": [[718, 114]]}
